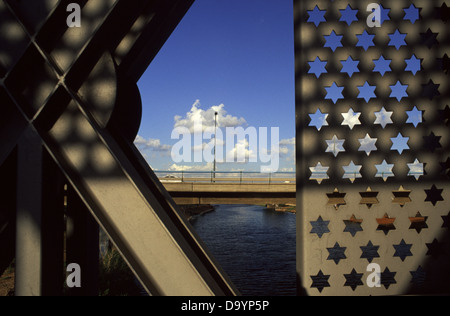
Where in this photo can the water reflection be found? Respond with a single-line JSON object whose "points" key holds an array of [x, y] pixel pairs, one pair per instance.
{"points": [[254, 245]]}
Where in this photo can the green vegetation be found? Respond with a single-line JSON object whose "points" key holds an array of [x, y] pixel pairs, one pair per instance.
{"points": [[116, 278]]}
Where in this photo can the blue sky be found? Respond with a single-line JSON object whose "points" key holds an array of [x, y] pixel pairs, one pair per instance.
{"points": [[237, 54]]}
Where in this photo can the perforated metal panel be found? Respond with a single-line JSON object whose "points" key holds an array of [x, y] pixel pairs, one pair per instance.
{"points": [[373, 147]]}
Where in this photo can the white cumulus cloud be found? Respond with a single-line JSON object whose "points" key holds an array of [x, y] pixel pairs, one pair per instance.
{"points": [[207, 118]]}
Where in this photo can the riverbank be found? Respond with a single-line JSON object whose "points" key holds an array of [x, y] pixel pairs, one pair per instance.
{"points": [[192, 211], [283, 208]]}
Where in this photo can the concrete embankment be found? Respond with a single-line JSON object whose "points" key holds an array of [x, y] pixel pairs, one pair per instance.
{"points": [[196, 210]]}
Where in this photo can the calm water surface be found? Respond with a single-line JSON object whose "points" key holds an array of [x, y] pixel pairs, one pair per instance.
{"points": [[254, 245]]}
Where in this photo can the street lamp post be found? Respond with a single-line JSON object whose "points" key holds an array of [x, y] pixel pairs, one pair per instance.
{"points": [[215, 143]]}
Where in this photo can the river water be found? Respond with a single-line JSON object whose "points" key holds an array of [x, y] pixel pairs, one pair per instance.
{"points": [[254, 245]]}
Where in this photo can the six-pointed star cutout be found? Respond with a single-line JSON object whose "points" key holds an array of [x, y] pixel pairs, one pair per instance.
{"points": [[317, 16], [333, 41], [419, 277], [383, 117], [336, 199], [400, 143], [351, 119], [434, 195], [352, 172], [388, 278], [432, 142], [319, 173], [412, 14], [401, 196], [403, 250], [318, 120], [335, 146], [317, 67], [416, 169], [369, 198], [320, 281], [414, 65], [334, 93], [370, 252], [429, 38], [353, 225], [365, 40], [368, 144], [367, 92], [399, 91], [350, 66], [386, 224], [385, 170], [382, 65], [431, 90], [337, 253], [418, 222], [354, 280], [397, 39], [349, 15], [320, 227], [415, 117]]}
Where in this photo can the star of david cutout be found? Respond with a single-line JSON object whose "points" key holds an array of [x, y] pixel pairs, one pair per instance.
{"points": [[388, 278], [337, 253], [382, 65], [397, 39], [335, 146], [318, 120], [353, 226], [444, 12], [354, 279], [317, 16], [429, 38], [416, 169], [434, 195], [370, 252], [369, 198], [320, 281], [384, 118], [386, 224], [319, 173], [412, 14], [336, 199], [419, 276], [349, 15], [320, 227], [333, 41], [401, 196], [432, 142], [403, 250], [317, 67], [418, 222]]}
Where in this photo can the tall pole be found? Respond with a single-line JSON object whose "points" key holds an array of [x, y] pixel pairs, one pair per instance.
{"points": [[215, 142]]}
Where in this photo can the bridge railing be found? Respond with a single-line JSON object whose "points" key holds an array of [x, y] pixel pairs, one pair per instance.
{"points": [[237, 177]]}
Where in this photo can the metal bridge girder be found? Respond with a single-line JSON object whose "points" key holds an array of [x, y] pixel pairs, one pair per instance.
{"points": [[75, 90]]}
